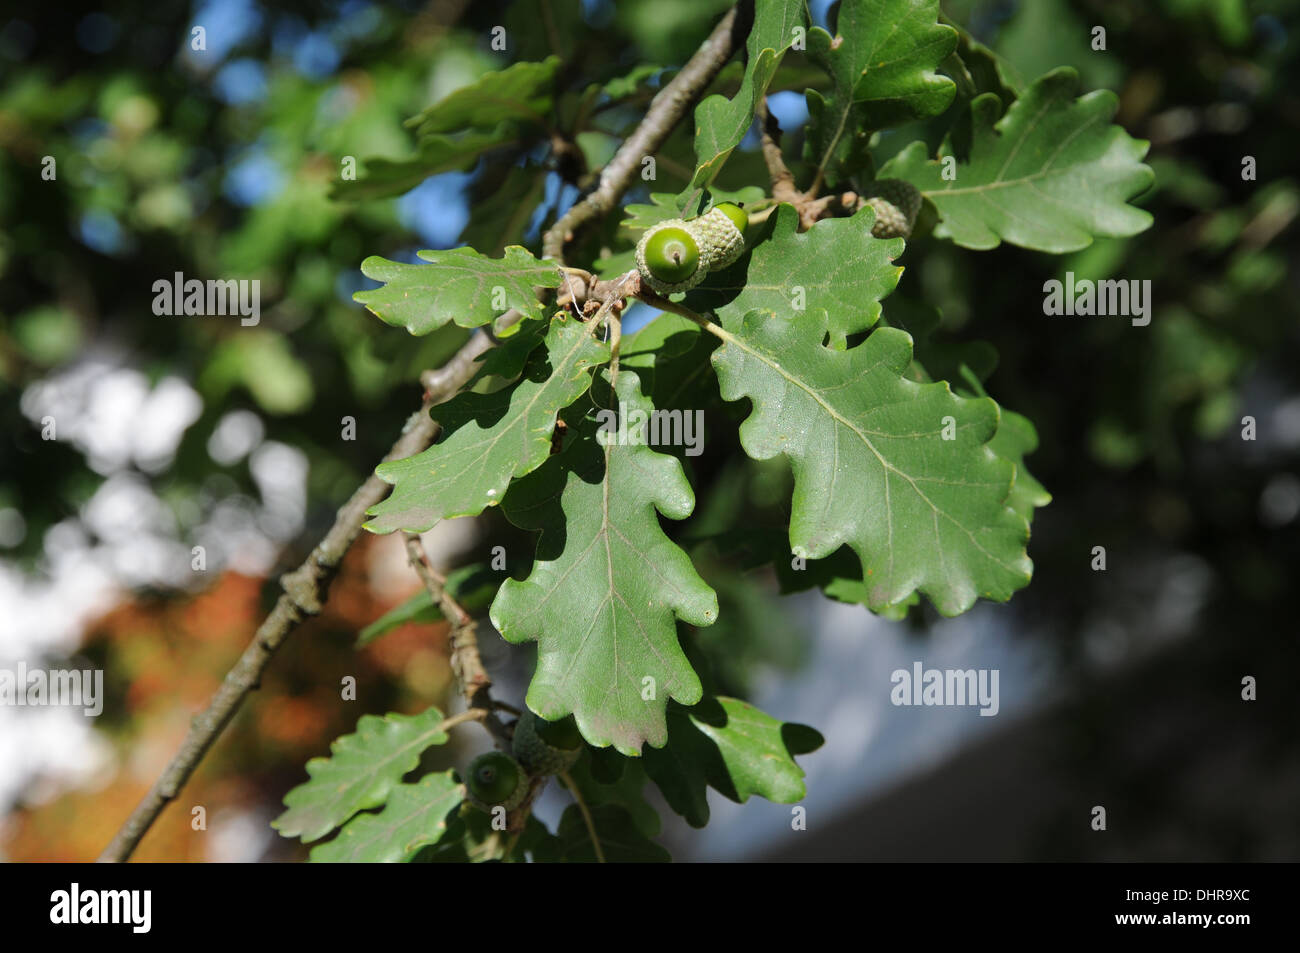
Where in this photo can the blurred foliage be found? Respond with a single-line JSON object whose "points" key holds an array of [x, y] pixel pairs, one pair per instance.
{"points": [[220, 165]]}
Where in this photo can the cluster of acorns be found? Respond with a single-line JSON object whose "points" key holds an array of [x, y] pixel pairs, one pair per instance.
{"points": [[539, 747], [677, 254]]}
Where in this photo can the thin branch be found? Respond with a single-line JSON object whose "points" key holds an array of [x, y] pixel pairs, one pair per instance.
{"points": [[469, 714], [471, 677], [307, 587], [665, 112], [305, 591], [783, 187]]}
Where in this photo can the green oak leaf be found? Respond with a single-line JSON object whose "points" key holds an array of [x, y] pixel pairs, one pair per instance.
{"points": [[626, 791], [620, 87], [1016, 439], [837, 142], [415, 816], [522, 92], [471, 839], [459, 285], [381, 178], [882, 63], [982, 70], [671, 356], [607, 585], [361, 771], [621, 841], [733, 747], [836, 270], [871, 466], [721, 123], [1050, 174], [490, 438]]}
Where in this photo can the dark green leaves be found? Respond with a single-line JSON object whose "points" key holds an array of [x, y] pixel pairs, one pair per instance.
{"points": [[414, 816], [493, 437], [506, 108], [621, 841], [520, 92], [1015, 440], [899, 471], [733, 747], [361, 771], [381, 178], [882, 62], [607, 585], [721, 123], [459, 285], [836, 270], [1051, 174]]}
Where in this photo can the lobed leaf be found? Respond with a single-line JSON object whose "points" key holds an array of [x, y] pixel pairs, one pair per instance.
{"points": [[458, 285], [871, 466], [522, 92], [415, 816], [721, 123], [734, 748], [835, 272], [361, 771], [882, 64], [607, 585], [491, 438], [1051, 173]]}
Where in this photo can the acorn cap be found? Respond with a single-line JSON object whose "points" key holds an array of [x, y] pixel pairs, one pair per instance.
{"points": [[721, 241], [896, 203], [546, 747]]}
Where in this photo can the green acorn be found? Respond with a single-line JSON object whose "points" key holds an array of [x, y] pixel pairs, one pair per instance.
{"points": [[896, 203], [721, 234], [546, 747], [496, 780], [669, 259]]}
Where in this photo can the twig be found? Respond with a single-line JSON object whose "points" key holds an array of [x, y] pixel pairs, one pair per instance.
{"points": [[666, 110], [471, 677], [305, 590], [469, 714], [783, 187]]}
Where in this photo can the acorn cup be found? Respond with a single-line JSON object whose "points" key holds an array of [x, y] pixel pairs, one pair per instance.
{"points": [[546, 747], [721, 234], [896, 203]]}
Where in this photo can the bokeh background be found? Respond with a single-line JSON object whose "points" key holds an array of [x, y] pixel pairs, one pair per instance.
{"points": [[1119, 688]]}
